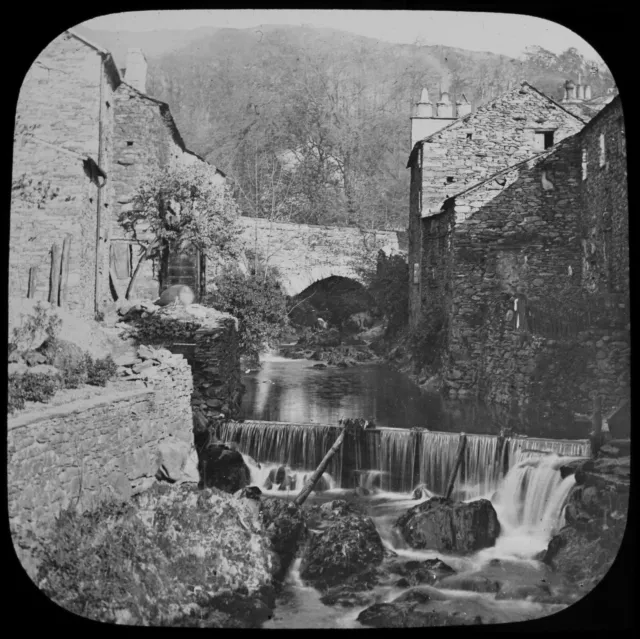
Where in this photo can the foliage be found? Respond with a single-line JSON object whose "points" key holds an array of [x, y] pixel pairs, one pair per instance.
{"points": [[428, 340], [176, 209], [390, 290], [107, 564], [34, 326], [100, 371], [257, 301], [32, 387], [68, 358]]}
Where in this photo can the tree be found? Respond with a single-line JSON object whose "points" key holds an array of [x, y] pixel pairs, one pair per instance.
{"points": [[182, 207]]}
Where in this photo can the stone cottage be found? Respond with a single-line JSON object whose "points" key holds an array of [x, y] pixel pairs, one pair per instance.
{"points": [[450, 153], [62, 191], [530, 268], [147, 138]]}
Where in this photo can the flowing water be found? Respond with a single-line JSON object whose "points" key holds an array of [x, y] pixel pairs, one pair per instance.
{"points": [[518, 474]]}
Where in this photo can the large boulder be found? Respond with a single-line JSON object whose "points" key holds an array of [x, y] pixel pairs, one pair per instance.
{"points": [[351, 545], [178, 293], [447, 526], [415, 572], [285, 525], [223, 468], [172, 458]]}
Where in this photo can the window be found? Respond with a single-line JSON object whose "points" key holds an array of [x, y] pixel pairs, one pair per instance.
{"points": [[543, 140], [585, 161], [450, 179], [603, 150], [469, 136], [129, 142]]}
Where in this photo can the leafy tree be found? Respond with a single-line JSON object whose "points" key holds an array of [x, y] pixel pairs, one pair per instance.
{"points": [[257, 301], [180, 207]]}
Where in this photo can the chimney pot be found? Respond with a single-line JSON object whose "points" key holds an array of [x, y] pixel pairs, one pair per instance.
{"points": [[136, 70], [424, 107], [587, 92], [579, 92], [444, 106]]}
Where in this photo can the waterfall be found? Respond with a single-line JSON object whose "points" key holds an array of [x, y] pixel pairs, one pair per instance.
{"points": [[530, 501], [401, 458], [299, 446]]}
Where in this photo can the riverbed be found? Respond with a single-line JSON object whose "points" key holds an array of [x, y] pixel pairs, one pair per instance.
{"points": [[528, 500]]}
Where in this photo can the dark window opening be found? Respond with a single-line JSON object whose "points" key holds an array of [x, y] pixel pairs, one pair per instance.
{"points": [[469, 136], [450, 179], [548, 139], [108, 104], [129, 142]]}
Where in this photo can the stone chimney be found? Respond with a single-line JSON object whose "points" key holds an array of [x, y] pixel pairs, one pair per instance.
{"points": [[444, 106], [136, 70], [587, 92], [426, 122], [569, 91], [424, 107], [463, 107], [579, 92]]}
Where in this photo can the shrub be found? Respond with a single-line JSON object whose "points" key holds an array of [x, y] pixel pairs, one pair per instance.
{"points": [[258, 303], [100, 371], [69, 358], [390, 289], [32, 387], [33, 328]]}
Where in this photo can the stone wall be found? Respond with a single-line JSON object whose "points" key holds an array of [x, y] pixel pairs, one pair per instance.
{"points": [[527, 323], [88, 450], [497, 135], [305, 253], [209, 341], [64, 114]]}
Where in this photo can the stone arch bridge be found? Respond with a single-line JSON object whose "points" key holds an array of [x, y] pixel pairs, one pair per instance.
{"points": [[305, 253]]}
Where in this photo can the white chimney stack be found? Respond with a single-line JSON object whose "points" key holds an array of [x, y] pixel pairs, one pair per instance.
{"points": [[426, 121], [463, 107], [136, 70], [445, 108], [424, 107], [587, 92]]}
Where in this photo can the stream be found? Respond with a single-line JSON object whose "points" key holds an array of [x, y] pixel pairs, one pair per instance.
{"points": [[529, 496]]}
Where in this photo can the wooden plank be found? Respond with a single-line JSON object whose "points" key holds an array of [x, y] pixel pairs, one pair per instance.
{"points": [[54, 283], [64, 268], [33, 282], [459, 453]]}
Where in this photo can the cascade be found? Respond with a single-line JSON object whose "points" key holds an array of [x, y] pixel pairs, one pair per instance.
{"points": [[399, 459]]}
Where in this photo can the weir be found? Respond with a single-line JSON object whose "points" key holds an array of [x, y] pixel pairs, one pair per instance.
{"points": [[394, 459]]}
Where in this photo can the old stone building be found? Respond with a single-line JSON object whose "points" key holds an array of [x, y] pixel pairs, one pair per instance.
{"points": [[147, 139], [529, 268], [86, 135], [62, 165], [462, 151]]}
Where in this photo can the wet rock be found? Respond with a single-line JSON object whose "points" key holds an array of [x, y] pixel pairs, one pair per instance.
{"points": [[289, 483], [356, 590], [250, 492], [420, 572], [350, 545], [320, 366], [223, 468], [422, 492], [408, 614], [278, 475], [286, 527], [338, 508], [473, 582], [444, 525], [321, 485]]}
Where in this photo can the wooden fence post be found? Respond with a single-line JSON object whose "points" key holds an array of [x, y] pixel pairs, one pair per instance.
{"points": [[33, 281], [54, 285], [64, 278]]}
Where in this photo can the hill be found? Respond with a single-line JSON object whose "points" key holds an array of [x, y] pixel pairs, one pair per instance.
{"points": [[243, 96]]}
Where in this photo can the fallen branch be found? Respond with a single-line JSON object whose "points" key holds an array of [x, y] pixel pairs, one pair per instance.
{"points": [[311, 482], [460, 452]]}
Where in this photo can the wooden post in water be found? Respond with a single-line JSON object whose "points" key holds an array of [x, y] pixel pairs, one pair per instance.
{"points": [[596, 421], [459, 453], [54, 288], [64, 277], [33, 277], [311, 482]]}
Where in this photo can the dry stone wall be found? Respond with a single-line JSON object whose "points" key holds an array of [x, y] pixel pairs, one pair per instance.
{"points": [[105, 446]]}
